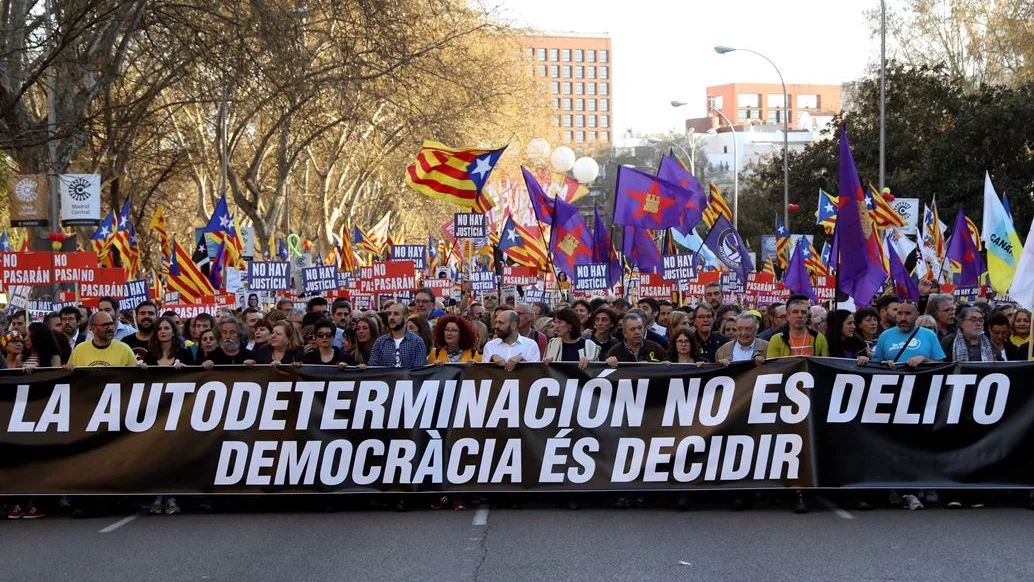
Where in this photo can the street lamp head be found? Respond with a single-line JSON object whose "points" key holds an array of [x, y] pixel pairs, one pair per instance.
{"points": [[723, 49], [677, 103]]}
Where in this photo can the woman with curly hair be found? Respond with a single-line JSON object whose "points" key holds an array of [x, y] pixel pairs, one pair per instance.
{"points": [[682, 347], [454, 342]]}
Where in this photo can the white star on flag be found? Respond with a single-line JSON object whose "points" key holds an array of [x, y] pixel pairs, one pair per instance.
{"points": [[512, 235], [225, 222], [482, 167], [829, 207], [104, 232], [123, 222]]}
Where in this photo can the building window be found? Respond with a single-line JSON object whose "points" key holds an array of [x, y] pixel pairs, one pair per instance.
{"points": [[555, 87], [604, 104], [748, 113], [531, 53], [591, 119], [567, 104], [567, 121], [604, 72], [590, 56], [775, 101], [578, 87], [579, 105], [556, 121], [567, 88], [567, 136], [775, 115], [579, 72], [716, 102], [604, 89], [807, 101], [604, 56], [565, 55], [556, 103], [554, 71], [604, 121], [578, 55], [591, 104], [748, 100], [590, 72], [554, 55], [567, 71], [542, 70], [605, 136], [542, 54], [590, 88], [579, 136], [592, 136]]}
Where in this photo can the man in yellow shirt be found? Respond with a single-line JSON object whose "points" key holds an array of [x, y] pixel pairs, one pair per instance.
{"points": [[102, 349]]}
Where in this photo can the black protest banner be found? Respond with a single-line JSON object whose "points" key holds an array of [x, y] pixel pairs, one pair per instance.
{"points": [[790, 423]]}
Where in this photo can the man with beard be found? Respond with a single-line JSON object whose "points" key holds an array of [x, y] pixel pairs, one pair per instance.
{"points": [[231, 335], [146, 315], [401, 348], [102, 349], [109, 305], [70, 317], [509, 347]]}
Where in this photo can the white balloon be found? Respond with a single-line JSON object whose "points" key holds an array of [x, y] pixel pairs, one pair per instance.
{"points": [[562, 159], [585, 170], [538, 150]]}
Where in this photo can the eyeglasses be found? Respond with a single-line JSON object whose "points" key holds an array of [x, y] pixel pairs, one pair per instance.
{"points": [[324, 335], [109, 324], [975, 319]]}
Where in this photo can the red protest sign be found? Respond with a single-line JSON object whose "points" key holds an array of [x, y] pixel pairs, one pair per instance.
{"points": [[106, 282], [520, 275], [29, 269], [696, 286], [442, 287], [388, 278], [75, 267], [653, 285]]}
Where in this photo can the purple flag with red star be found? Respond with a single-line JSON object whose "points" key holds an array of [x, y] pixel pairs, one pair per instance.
{"points": [[571, 242], [640, 250], [860, 267], [540, 202], [693, 206], [646, 201]]}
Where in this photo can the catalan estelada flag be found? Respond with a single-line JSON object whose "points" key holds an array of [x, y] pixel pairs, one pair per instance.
{"points": [[882, 213], [454, 175], [186, 277], [716, 206], [782, 244]]}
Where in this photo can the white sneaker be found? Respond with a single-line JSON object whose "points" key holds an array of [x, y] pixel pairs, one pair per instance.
{"points": [[156, 507], [171, 508], [911, 502]]}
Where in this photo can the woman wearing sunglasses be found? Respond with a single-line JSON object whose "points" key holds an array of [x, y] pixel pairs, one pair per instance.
{"points": [[325, 354]]}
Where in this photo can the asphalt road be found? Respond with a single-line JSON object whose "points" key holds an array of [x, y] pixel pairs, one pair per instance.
{"points": [[537, 542]]}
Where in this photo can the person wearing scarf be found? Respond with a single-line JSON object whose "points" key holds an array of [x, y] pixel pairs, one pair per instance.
{"points": [[969, 344]]}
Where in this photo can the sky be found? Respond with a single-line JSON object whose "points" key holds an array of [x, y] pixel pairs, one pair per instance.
{"points": [[664, 50]]}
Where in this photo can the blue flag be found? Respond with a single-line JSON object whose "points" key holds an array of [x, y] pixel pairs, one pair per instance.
{"points": [[509, 237], [5, 242], [725, 242], [796, 276]]}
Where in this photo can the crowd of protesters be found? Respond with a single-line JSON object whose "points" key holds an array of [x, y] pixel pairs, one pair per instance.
{"points": [[892, 332]]}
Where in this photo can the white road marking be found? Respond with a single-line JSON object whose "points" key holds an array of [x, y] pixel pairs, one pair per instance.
{"points": [[841, 513], [119, 524], [481, 516]]}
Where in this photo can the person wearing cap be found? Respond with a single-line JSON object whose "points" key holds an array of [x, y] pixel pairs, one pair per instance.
{"points": [[12, 344]]}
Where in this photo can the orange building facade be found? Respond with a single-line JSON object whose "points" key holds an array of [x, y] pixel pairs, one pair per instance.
{"points": [[749, 103], [578, 70]]}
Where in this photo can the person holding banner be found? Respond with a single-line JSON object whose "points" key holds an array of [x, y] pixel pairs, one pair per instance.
{"points": [[907, 343], [41, 348], [367, 330], [454, 342], [509, 347], [1020, 327], [604, 320], [845, 342], [109, 305], [325, 353], [102, 349], [569, 345], [166, 347], [747, 346], [682, 348], [635, 347], [284, 346], [232, 336], [797, 339], [400, 348]]}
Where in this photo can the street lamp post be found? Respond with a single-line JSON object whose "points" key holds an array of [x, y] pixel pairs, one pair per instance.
{"points": [[786, 128], [735, 162], [691, 154]]}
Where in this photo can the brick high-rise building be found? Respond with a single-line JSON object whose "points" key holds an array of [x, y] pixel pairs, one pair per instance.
{"points": [[746, 103], [578, 68]]}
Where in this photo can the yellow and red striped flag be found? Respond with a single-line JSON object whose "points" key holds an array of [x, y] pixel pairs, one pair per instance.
{"points": [[160, 224], [768, 267], [453, 175], [716, 206], [186, 277], [882, 213]]}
